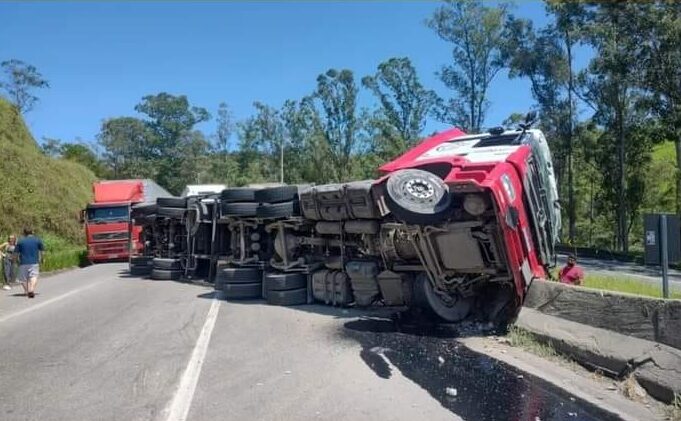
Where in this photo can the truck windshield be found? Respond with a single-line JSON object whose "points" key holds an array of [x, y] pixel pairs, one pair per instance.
{"points": [[107, 214]]}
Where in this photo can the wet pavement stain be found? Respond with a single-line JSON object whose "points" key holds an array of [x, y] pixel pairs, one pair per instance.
{"points": [[480, 387]]}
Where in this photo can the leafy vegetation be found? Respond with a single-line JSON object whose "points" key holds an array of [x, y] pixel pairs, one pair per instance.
{"points": [[61, 254], [629, 285], [614, 123], [38, 191]]}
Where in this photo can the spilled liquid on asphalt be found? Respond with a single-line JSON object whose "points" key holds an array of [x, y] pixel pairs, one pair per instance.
{"points": [[486, 389]]}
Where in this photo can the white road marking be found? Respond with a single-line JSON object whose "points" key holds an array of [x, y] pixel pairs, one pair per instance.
{"points": [[42, 304], [179, 406]]}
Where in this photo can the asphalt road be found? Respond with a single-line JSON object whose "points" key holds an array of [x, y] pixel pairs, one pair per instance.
{"points": [[98, 345]]}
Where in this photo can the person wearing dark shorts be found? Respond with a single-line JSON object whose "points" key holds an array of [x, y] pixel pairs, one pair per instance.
{"points": [[30, 252]]}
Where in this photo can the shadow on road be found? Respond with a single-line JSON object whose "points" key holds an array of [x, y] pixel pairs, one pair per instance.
{"points": [[471, 385]]}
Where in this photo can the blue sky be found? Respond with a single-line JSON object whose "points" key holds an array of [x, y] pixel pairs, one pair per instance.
{"points": [[101, 58]]}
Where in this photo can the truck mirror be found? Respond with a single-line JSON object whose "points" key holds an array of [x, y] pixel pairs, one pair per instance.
{"points": [[82, 216]]}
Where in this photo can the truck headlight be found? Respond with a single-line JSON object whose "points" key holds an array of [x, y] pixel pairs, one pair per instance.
{"points": [[474, 204]]}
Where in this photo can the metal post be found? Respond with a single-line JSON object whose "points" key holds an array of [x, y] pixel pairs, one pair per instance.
{"points": [[665, 256]]}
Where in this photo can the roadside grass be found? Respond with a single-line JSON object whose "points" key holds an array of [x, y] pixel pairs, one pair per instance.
{"points": [[627, 284], [521, 338], [674, 410], [61, 253]]}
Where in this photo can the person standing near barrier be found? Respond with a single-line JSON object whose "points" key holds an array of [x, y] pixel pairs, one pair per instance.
{"points": [[571, 274], [30, 252], [9, 261]]}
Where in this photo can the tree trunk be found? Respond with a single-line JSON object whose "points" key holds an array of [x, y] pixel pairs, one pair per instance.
{"points": [[677, 145], [622, 184], [571, 187]]}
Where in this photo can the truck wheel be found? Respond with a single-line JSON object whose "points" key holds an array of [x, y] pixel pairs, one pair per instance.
{"points": [[165, 275], [277, 210], [172, 202], [239, 209], [417, 196], [237, 195], [144, 209], [242, 291], [141, 261], [140, 270], [238, 276], [176, 213], [168, 264], [276, 194], [284, 281], [287, 298], [453, 311]]}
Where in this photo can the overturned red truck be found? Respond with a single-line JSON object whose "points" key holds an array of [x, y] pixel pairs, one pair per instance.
{"points": [[460, 226]]}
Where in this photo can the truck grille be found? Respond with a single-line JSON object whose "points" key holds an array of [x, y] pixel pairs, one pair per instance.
{"points": [[110, 236]]}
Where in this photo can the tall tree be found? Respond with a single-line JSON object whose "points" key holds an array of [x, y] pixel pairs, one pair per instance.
{"points": [[129, 147], [19, 81], [172, 120], [336, 95], [263, 134], [612, 86], [404, 103], [545, 57], [476, 33], [661, 57], [225, 125]]}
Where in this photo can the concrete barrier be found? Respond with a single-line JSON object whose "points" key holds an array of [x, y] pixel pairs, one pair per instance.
{"points": [[655, 366], [646, 318]]}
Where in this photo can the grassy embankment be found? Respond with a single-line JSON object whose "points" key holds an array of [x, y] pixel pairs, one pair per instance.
{"points": [[41, 192]]}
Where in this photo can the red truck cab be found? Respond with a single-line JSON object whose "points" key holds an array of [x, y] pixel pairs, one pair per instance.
{"points": [[108, 230], [506, 225]]}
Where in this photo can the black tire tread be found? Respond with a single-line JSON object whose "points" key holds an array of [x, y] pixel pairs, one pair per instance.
{"points": [[287, 298], [239, 209], [278, 210], [285, 281], [234, 195], [166, 275], [242, 291], [172, 202], [167, 264], [276, 194], [238, 276]]}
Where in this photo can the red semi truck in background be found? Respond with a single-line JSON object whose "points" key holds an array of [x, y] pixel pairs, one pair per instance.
{"points": [[108, 232]]}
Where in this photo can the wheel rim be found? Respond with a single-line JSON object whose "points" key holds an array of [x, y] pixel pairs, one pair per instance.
{"points": [[419, 188]]}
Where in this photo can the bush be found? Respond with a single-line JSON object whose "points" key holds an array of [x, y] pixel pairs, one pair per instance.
{"points": [[38, 191]]}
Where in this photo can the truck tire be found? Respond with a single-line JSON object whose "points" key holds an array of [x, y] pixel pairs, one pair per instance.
{"points": [[238, 195], [242, 291], [277, 210], [167, 264], [141, 261], [424, 295], [144, 209], [284, 281], [176, 213], [140, 270], [417, 197], [276, 194], [239, 209], [166, 275], [172, 202], [238, 276], [145, 219], [287, 298]]}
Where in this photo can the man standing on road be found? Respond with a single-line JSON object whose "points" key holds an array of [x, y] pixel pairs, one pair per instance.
{"points": [[571, 274], [30, 251]]}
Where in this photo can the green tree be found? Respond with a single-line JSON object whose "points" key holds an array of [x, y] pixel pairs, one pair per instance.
{"points": [[263, 135], [336, 95], [476, 33], [51, 147], [172, 120], [404, 105], [545, 57], [612, 87], [661, 57], [18, 83], [129, 147], [84, 155]]}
